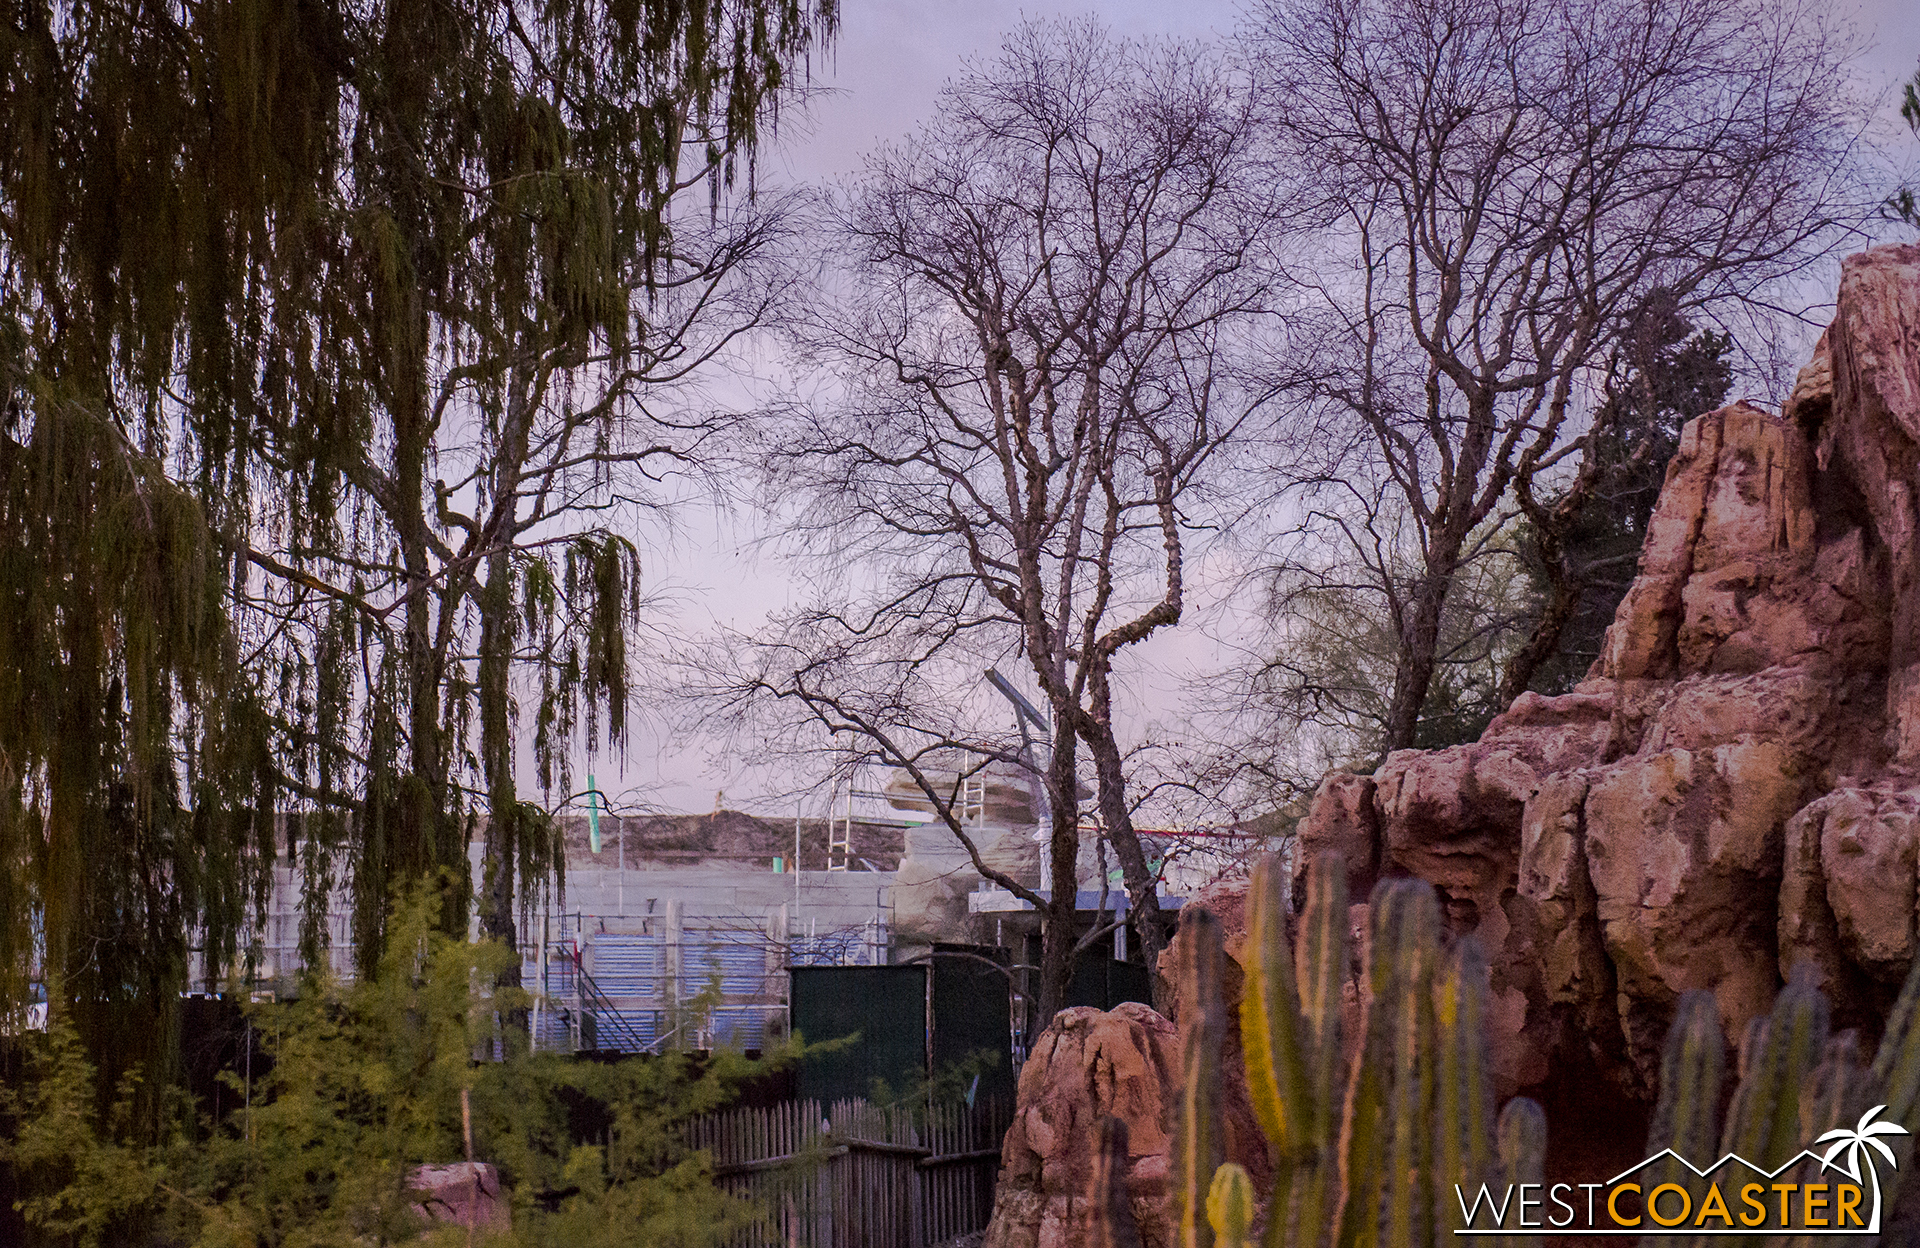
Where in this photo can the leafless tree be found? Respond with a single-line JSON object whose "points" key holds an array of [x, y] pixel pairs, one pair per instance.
{"points": [[1033, 313], [1502, 184]]}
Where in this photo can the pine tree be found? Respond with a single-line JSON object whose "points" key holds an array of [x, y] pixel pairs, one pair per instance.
{"points": [[1903, 205]]}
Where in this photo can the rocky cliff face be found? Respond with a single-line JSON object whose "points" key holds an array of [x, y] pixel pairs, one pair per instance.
{"points": [[1732, 792], [1735, 788]]}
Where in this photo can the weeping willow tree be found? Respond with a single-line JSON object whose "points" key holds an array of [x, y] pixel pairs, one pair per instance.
{"points": [[334, 340]]}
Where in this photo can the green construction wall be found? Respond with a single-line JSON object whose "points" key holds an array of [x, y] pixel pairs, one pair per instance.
{"points": [[973, 1015], [884, 1006]]}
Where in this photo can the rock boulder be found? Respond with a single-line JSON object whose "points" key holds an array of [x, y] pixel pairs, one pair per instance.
{"points": [[1088, 1064], [466, 1193]]}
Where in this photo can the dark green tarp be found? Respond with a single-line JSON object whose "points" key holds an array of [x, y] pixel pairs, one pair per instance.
{"points": [[973, 1017], [885, 1006], [1103, 983]]}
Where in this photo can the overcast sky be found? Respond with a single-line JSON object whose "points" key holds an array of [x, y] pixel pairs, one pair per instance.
{"points": [[880, 80]]}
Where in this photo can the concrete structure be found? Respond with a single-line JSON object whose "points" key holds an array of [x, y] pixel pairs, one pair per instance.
{"points": [[679, 929]]}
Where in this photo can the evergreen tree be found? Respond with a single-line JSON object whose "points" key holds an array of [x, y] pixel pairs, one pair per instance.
{"points": [[1581, 546], [1902, 205], [355, 1085], [326, 330]]}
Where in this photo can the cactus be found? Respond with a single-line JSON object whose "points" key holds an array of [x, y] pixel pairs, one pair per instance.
{"points": [[1464, 1154], [1522, 1133], [1198, 1146], [1836, 1095], [1367, 1154], [1279, 1047], [1833, 1096], [1369, 1157], [1763, 1124], [1691, 1072], [1112, 1215], [1306, 1184], [1389, 1135], [1230, 1206], [1894, 1079]]}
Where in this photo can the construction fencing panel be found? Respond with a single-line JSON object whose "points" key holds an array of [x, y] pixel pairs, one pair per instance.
{"points": [[973, 1018], [635, 992], [854, 1175], [884, 1006]]}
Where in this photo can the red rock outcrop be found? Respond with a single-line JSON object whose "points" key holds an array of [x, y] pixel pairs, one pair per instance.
{"points": [[1087, 1064], [1735, 787]]}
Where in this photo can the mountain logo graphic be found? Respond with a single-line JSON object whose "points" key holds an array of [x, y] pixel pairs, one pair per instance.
{"points": [[1835, 1192]]}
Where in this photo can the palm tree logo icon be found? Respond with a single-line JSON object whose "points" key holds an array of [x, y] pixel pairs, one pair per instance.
{"points": [[1855, 1142]]}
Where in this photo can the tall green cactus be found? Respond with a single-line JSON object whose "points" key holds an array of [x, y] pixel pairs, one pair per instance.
{"points": [[1389, 1136], [1894, 1079], [1763, 1123], [1464, 1153], [1306, 1192], [1368, 1157], [1280, 1061], [1198, 1142], [1290, 1030], [1522, 1133], [1691, 1072], [1368, 1151], [1230, 1206]]}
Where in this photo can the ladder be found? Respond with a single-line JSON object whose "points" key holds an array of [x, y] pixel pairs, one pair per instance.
{"points": [[839, 835], [973, 801]]}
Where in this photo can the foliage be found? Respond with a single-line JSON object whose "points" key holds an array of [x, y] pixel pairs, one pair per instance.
{"points": [[1199, 1140], [365, 1082], [1902, 204], [1530, 599], [1366, 1160], [1796, 1081], [1581, 543], [1319, 695], [115, 656], [334, 339]]}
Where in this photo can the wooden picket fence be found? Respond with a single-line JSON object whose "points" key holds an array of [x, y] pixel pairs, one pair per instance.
{"points": [[855, 1175]]}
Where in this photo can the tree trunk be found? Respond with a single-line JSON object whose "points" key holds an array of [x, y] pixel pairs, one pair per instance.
{"points": [[1419, 647], [1143, 901], [1563, 598], [504, 823], [1058, 935]]}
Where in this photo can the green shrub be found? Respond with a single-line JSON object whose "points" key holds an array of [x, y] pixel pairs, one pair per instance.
{"points": [[365, 1082]]}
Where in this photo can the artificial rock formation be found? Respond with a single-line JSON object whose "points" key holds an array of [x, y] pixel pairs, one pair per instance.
{"points": [[1732, 792], [1087, 1065], [1735, 788]]}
